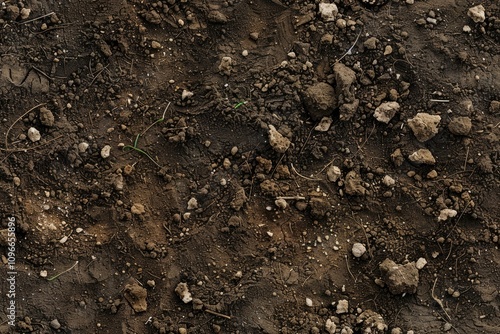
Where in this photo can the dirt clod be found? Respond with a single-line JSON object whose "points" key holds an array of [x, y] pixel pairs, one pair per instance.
{"points": [[136, 296], [399, 278], [424, 126], [320, 100]]}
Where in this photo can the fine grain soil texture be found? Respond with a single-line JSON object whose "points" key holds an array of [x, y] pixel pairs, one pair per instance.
{"points": [[250, 166]]}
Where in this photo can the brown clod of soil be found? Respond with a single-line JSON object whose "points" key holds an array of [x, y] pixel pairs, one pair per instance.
{"points": [[399, 278], [320, 100], [136, 295]]}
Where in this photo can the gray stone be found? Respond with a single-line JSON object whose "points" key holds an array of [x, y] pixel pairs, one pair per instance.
{"points": [[46, 117], [386, 111]]}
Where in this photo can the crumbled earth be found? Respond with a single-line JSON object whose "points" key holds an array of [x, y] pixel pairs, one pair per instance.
{"points": [[185, 166]]}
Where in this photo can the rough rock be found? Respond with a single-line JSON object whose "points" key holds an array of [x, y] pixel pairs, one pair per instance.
{"points": [[324, 124], [320, 100], [420, 264], [330, 326], [477, 13], [136, 296], [344, 78], [216, 16], [137, 209], [34, 134], [424, 126], [25, 13], [328, 11], [371, 43], [444, 214], [353, 184], [397, 157], [388, 181], [105, 152], [399, 278], [12, 12], [226, 65], [386, 111], [342, 307], [278, 142], [192, 204], [372, 322], [46, 117], [55, 324], [182, 291], [358, 249], [333, 173], [347, 110], [460, 126], [422, 157], [319, 207]]}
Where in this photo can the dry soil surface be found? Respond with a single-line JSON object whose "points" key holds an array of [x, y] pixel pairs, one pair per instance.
{"points": [[187, 166]]}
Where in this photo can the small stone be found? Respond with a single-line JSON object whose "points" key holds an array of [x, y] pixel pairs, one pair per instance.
{"points": [[79, 230], [63, 240], [192, 204], [12, 12], [328, 11], [43, 273], [183, 330], [420, 264], [320, 100], [105, 152], [17, 181], [399, 278], [34, 134], [324, 124], [342, 306], [25, 13], [422, 156], [341, 24], [476, 13], [358, 250], [254, 36], [386, 111], [182, 291], [82, 147], [447, 326], [388, 181], [281, 203], [466, 28], [226, 65], [333, 173], [277, 141], [46, 117], [186, 94], [432, 174], [371, 43], [55, 324], [155, 45], [216, 16], [387, 50], [424, 126], [330, 326], [309, 302], [460, 126], [446, 213], [244, 53], [137, 209]]}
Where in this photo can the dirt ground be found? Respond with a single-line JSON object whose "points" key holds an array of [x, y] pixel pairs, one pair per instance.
{"points": [[186, 166]]}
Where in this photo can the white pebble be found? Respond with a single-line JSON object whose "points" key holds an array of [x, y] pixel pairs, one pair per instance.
{"points": [[388, 181], [43, 273], [192, 204], [342, 306], [281, 203], [106, 151], [34, 134], [63, 240], [244, 53], [82, 147], [358, 249], [309, 302], [79, 230], [421, 262]]}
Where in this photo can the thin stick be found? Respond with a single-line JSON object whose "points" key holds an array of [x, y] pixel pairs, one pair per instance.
{"points": [[56, 276], [291, 197], [442, 101], [17, 120], [439, 301], [350, 49], [349, 269], [218, 314], [302, 176], [38, 18], [29, 148]]}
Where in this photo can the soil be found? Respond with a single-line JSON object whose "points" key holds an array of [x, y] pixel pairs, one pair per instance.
{"points": [[185, 166]]}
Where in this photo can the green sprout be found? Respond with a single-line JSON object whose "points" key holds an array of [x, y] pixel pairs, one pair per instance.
{"points": [[136, 148], [240, 104]]}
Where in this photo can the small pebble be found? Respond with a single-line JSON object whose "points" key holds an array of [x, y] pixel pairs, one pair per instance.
{"points": [[105, 152], [358, 249], [34, 134], [43, 273]]}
